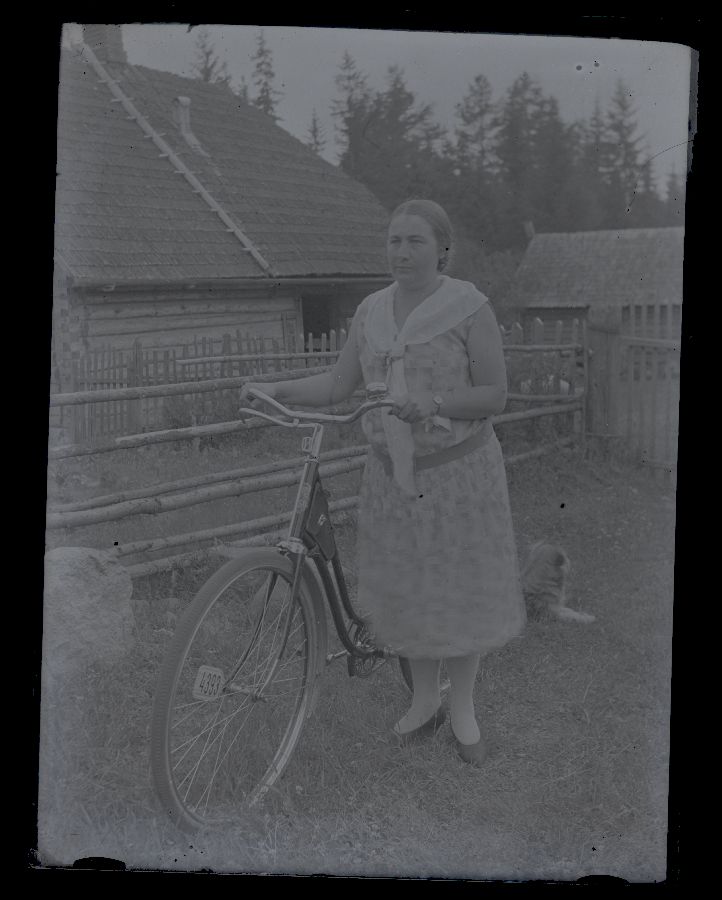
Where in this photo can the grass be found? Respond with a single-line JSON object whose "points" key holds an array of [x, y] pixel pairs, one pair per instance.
{"points": [[576, 718]]}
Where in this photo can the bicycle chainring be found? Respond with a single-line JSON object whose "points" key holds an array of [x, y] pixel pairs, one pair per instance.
{"points": [[363, 666]]}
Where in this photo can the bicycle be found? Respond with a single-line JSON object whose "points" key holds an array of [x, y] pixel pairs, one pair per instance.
{"points": [[241, 675]]}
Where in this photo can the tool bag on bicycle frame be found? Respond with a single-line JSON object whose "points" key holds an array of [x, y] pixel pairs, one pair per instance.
{"points": [[318, 528]]}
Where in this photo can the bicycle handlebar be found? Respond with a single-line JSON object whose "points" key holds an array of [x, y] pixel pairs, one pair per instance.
{"points": [[295, 416]]}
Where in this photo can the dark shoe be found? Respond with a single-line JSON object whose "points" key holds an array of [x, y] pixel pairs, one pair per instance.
{"points": [[474, 754], [429, 728]]}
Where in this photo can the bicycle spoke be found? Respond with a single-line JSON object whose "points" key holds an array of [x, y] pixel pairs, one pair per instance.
{"points": [[218, 763], [277, 621], [194, 770], [262, 680], [195, 738], [272, 580], [215, 770]]}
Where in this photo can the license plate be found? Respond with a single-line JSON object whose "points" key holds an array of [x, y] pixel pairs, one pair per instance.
{"points": [[208, 684]]}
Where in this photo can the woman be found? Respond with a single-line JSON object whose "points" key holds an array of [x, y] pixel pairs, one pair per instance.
{"points": [[437, 566]]}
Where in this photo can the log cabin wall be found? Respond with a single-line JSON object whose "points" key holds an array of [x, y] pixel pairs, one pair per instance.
{"points": [[162, 319]]}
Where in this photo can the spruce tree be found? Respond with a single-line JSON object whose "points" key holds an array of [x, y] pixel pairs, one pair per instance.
{"points": [[474, 132], [623, 167], [263, 77], [675, 199], [316, 134], [207, 65], [350, 111]]}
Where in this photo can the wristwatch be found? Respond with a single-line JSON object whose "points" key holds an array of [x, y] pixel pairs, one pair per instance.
{"points": [[438, 400]]}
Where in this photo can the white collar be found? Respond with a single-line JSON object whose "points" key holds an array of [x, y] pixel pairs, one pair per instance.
{"points": [[451, 303]]}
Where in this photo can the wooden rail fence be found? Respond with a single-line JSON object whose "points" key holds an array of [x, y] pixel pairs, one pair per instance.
{"points": [[547, 378]]}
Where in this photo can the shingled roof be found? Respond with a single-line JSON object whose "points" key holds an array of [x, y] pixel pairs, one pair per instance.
{"points": [[125, 213], [588, 268]]}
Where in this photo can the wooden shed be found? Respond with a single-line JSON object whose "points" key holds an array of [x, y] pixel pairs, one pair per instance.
{"points": [[182, 211], [562, 276]]}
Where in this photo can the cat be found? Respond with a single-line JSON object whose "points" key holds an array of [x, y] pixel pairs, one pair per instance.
{"points": [[544, 581]]}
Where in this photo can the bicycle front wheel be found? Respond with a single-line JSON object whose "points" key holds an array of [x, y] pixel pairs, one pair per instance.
{"points": [[234, 690]]}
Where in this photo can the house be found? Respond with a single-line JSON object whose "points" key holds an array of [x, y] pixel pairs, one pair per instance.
{"points": [[562, 276], [182, 211]]}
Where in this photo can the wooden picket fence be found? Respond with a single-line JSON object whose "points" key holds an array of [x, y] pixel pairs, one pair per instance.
{"points": [[634, 384], [542, 371], [648, 387], [201, 360]]}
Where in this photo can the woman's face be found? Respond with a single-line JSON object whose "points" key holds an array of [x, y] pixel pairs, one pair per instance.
{"points": [[412, 251]]}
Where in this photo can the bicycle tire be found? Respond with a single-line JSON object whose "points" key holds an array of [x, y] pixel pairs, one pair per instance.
{"points": [[243, 659]]}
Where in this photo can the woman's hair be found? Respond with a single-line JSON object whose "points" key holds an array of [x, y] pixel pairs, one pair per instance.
{"points": [[436, 217]]}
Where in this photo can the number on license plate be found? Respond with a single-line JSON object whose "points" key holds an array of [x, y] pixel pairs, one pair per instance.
{"points": [[208, 684]]}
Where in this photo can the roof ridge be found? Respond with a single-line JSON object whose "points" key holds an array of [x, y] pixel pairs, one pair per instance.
{"points": [[168, 152]]}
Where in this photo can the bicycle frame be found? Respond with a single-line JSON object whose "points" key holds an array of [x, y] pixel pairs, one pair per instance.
{"points": [[310, 534]]}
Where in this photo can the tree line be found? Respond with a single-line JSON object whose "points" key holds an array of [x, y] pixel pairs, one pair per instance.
{"points": [[508, 164]]}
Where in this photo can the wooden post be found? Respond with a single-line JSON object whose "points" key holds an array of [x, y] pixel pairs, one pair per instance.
{"points": [[643, 388], [167, 380], [242, 365], [156, 380], [579, 333], [603, 335], [135, 368], [147, 407], [537, 337], [112, 376], [670, 442], [251, 364], [558, 361], [577, 360], [74, 387], [121, 381], [96, 409], [653, 405]]}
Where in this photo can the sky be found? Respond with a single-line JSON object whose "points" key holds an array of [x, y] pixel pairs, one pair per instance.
{"points": [[438, 67]]}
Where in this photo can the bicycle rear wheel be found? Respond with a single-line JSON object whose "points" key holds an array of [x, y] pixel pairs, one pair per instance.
{"points": [[234, 691]]}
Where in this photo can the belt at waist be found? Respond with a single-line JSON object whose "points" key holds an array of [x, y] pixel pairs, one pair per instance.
{"points": [[431, 460]]}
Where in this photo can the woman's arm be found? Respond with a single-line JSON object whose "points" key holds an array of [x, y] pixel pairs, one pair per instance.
{"points": [[326, 389], [487, 394]]}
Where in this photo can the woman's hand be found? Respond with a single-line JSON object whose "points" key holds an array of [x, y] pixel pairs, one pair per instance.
{"points": [[414, 407], [248, 401]]}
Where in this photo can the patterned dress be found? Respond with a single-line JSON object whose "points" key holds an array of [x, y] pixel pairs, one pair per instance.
{"points": [[438, 574]]}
